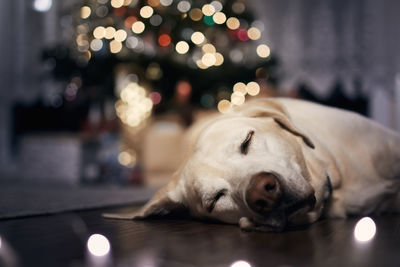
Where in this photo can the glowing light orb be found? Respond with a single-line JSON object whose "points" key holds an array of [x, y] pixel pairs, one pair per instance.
{"points": [[42, 5], [365, 229], [219, 18], [98, 245], [99, 32], [208, 10], [198, 38], [138, 27], [253, 88], [146, 12], [85, 12], [182, 47], [233, 23], [224, 106], [115, 46], [263, 51], [240, 264]]}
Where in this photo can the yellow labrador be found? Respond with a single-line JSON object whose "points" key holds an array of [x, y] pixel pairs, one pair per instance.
{"points": [[277, 162]]}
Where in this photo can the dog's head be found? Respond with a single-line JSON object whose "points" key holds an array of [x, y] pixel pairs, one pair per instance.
{"points": [[246, 168]]}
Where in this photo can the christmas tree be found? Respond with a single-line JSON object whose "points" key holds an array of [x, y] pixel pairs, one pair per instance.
{"points": [[168, 53]]}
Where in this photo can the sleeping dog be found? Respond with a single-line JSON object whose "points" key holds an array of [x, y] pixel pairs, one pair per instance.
{"points": [[274, 163]]}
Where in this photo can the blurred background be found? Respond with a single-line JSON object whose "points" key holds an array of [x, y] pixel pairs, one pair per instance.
{"points": [[102, 91]]}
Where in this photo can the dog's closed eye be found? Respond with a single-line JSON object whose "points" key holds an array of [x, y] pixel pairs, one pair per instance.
{"points": [[211, 203], [244, 147]]}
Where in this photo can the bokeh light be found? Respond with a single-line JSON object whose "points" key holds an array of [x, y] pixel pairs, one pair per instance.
{"points": [[98, 245], [254, 33], [196, 14], [208, 10], [184, 6], [164, 40], [198, 38], [146, 12], [182, 47], [120, 35], [240, 87], [99, 32], [219, 59], [109, 33], [224, 106], [117, 3], [237, 98], [85, 12], [208, 48], [115, 46], [240, 264], [96, 44], [253, 88], [233, 23], [263, 51], [365, 229], [42, 5], [138, 27], [219, 18], [166, 2], [208, 59]]}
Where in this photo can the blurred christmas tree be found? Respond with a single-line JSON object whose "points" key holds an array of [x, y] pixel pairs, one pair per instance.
{"points": [[184, 53]]}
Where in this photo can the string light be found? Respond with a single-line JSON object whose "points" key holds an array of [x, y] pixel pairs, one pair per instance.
{"points": [[96, 44], [254, 33], [184, 6], [196, 14], [219, 18], [138, 27], [164, 40], [110, 31], [224, 106], [198, 38], [263, 51], [99, 32], [233, 23], [85, 12], [240, 87], [146, 12], [253, 88], [120, 35], [117, 3], [208, 10], [182, 47]]}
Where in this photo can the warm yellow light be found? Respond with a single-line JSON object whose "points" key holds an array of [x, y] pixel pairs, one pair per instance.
{"points": [[198, 38], [115, 46], [253, 88], [82, 40], [110, 31], [209, 48], [224, 106], [127, 2], [117, 3], [254, 33], [146, 12], [182, 47], [99, 32], [196, 14], [154, 3], [208, 59], [233, 23], [219, 59], [208, 10], [138, 27], [120, 35], [201, 65], [237, 98], [263, 51], [240, 87], [96, 44], [219, 18], [85, 12]]}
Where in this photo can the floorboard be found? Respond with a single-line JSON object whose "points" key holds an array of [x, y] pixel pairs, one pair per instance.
{"points": [[61, 240]]}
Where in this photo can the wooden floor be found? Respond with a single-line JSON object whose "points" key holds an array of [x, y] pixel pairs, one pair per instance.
{"points": [[61, 240]]}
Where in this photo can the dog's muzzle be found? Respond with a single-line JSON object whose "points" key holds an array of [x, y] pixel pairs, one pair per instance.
{"points": [[265, 195]]}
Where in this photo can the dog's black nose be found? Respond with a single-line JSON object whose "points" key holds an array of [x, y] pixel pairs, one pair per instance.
{"points": [[263, 193]]}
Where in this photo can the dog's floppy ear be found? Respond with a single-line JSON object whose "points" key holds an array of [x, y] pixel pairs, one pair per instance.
{"points": [[162, 203], [276, 111]]}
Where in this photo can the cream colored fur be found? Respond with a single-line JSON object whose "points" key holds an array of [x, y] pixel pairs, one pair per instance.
{"points": [[303, 144]]}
